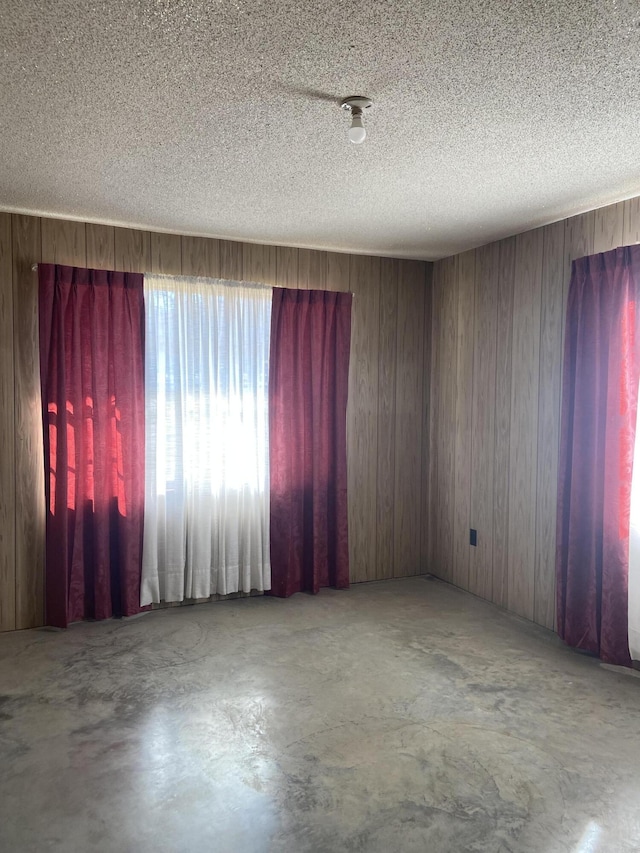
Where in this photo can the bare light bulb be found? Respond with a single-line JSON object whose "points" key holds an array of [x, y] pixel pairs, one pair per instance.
{"points": [[356, 106], [357, 132]]}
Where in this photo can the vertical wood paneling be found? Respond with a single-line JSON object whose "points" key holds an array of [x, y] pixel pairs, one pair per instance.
{"points": [[578, 242], [631, 222], [548, 422], [231, 261], [463, 390], [530, 293], [362, 416], [483, 417], [200, 257], [504, 340], [132, 250], [520, 330], [338, 273], [312, 270], [166, 254], [449, 368], [101, 246], [387, 416], [436, 421], [287, 267], [64, 242], [29, 455], [7, 449], [408, 413], [579, 239], [427, 436], [608, 227], [259, 263], [445, 357], [523, 451]]}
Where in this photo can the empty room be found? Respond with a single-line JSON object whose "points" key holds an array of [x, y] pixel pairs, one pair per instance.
{"points": [[319, 479]]}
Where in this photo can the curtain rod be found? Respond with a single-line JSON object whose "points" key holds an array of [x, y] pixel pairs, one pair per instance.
{"points": [[242, 281]]}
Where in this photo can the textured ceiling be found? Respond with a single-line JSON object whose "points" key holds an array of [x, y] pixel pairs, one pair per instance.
{"points": [[221, 118]]}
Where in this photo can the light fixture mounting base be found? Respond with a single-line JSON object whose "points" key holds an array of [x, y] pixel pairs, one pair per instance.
{"points": [[356, 102]]}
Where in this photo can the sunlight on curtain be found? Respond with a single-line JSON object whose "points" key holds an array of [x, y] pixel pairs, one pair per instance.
{"points": [[206, 525], [634, 550]]}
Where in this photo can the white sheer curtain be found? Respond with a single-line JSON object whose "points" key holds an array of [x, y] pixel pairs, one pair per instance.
{"points": [[206, 521], [634, 550]]}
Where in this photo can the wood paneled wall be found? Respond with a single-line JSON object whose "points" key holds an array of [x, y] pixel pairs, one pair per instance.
{"points": [[497, 341], [387, 415]]}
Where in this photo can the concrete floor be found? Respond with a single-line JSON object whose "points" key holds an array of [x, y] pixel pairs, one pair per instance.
{"points": [[398, 716]]}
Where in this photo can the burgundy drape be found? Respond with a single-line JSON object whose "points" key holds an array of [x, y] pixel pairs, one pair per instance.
{"points": [[601, 370], [92, 375], [308, 380]]}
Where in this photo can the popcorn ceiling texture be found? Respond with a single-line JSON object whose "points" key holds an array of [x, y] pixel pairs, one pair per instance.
{"points": [[221, 118]]}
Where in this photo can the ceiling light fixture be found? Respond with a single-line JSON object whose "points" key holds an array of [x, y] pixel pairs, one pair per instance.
{"points": [[356, 105]]}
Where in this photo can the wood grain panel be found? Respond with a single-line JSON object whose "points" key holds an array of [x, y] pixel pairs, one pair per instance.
{"points": [[7, 449], [231, 261], [504, 343], [64, 242], [427, 436], [362, 416], [338, 273], [608, 227], [578, 242], [287, 267], [200, 257], [335, 268], [259, 263], [436, 420], [445, 356], [449, 405], [548, 422], [29, 454], [132, 250], [523, 449], [101, 246], [408, 412], [312, 270], [579, 237], [387, 416], [631, 222], [483, 418], [464, 384], [166, 254]]}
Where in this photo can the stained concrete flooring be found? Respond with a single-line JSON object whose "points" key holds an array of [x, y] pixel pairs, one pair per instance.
{"points": [[398, 716]]}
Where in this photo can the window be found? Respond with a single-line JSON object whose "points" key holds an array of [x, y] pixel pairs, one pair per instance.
{"points": [[207, 438]]}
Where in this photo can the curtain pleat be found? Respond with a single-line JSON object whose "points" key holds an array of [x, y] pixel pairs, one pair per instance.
{"points": [[92, 378], [599, 406], [309, 371]]}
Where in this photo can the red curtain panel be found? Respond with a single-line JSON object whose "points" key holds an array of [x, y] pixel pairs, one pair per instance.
{"points": [[92, 376], [601, 370], [308, 380]]}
